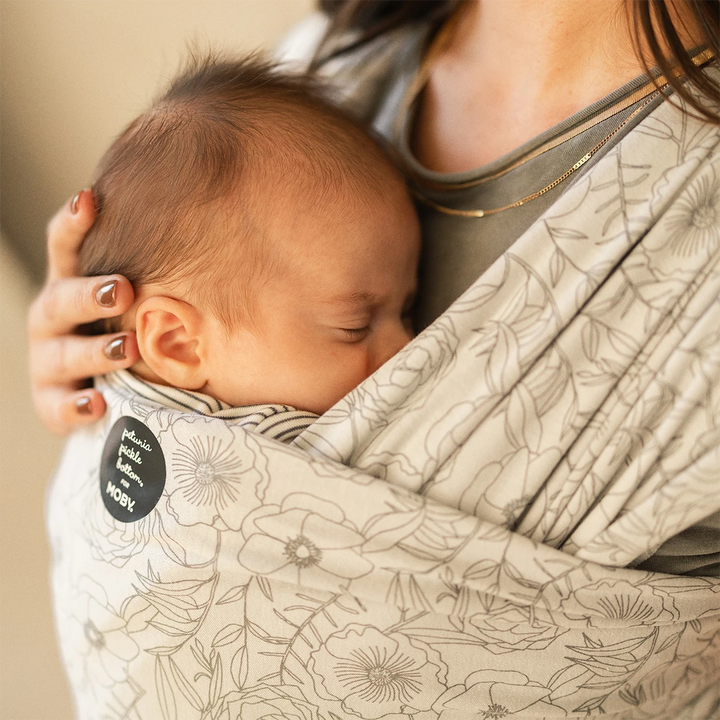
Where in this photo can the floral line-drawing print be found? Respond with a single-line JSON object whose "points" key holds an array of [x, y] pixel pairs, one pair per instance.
{"points": [[472, 533], [215, 478], [377, 675], [694, 223], [314, 547]]}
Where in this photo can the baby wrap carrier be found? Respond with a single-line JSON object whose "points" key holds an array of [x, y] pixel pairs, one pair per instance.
{"points": [[452, 540]]}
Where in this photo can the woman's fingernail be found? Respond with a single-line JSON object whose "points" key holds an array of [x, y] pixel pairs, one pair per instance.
{"points": [[83, 406], [115, 349], [75, 204], [105, 294]]}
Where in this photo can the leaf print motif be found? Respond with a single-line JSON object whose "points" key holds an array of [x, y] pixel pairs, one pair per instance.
{"points": [[166, 696], [522, 424], [622, 343], [548, 381], [503, 361], [568, 681], [557, 266], [388, 530], [612, 665], [620, 216], [655, 127], [566, 233], [450, 430], [233, 595], [441, 535], [186, 688], [216, 680], [229, 634], [590, 339], [173, 538], [405, 593], [175, 609]]}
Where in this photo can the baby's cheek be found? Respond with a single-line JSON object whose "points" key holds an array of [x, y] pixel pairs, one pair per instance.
{"points": [[352, 367], [333, 385], [368, 366]]}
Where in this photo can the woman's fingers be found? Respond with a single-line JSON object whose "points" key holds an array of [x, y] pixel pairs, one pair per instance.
{"points": [[58, 367], [64, 410], [64, 304], [61, 362], [65, 233]]}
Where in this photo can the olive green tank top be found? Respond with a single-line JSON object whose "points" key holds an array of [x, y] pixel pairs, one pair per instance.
{"points": [[374, 83]]}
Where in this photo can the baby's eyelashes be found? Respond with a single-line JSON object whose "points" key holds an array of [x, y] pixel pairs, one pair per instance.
{"points": [[355, 334]]}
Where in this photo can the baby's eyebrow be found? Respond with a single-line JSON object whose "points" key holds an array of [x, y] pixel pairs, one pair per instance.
{"points": [[354, 298]]}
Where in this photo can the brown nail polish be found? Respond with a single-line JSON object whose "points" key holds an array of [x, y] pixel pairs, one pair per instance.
{"points": [[75, 204], [115, 349], [105, 294], [83, 406]]}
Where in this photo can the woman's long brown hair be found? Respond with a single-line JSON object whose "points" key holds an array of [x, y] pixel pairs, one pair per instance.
{"points": [[370, 18], [653, 22]]}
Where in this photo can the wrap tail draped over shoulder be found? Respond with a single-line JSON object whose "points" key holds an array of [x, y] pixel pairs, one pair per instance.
{"points": [[452, 540]]}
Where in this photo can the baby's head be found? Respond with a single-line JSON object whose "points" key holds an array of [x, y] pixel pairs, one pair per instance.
{"points": [[272, 244]]}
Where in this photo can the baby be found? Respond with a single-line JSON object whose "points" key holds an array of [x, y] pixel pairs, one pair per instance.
{"points": [[273, 250], [272, 244]]}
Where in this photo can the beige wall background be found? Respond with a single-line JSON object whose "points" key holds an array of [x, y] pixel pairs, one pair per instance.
{"points": [[72, 74]]}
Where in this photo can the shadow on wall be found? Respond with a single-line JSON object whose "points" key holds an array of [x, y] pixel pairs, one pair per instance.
{"points": [[73, 73], [32, 683]]}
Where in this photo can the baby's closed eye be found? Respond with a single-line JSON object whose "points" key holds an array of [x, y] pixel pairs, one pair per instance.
{"points": [[355, 334]]}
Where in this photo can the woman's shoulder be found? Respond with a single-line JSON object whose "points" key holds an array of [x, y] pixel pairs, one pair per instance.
{"points": [[297, 48], [366, 80]]}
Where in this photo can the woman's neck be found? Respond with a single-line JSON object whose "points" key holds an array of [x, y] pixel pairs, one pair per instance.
{"points": [[512, 69]]}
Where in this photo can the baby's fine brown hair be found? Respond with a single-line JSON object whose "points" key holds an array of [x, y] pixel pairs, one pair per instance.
{"points": [[180, 191]]}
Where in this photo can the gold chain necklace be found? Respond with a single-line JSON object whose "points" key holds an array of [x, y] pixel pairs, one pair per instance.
{"points": [[651, 91], [482, 213]]}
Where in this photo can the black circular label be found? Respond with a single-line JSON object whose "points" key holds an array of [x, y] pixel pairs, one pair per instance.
{"points": [[132, 473]]}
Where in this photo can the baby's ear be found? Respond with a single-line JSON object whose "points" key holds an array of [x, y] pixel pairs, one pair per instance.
{"points": [[170, 340]]}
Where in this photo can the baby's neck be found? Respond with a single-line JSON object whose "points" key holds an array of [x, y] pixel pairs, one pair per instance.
{"points": [[142, 371]]}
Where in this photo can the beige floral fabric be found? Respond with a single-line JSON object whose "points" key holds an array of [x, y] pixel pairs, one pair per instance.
{"points": [[450, 541]]}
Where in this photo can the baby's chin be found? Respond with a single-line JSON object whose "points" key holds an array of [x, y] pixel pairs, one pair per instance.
{"points": [[314, 408], [317, 407]]}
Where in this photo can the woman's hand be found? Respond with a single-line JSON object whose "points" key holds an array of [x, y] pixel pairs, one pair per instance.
{"points": [[60, 360]]}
